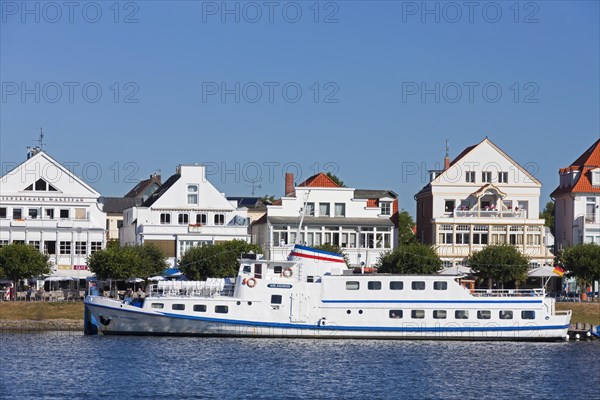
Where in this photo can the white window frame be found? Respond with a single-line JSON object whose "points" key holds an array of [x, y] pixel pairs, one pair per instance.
{"points": [[192, 194]]}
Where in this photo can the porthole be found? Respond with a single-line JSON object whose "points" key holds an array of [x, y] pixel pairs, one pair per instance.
{"points": [[238, 303], [348, 312], [360, 311]]}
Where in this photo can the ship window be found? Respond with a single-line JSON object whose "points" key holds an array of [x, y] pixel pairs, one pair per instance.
{"points": [[396, 314], [221, 309], [417, 314], [278, 269], [374, 285], [200, 307], [179, 307], [418, 285], [461, 314], [158, 305], [247, 269], [396, 285], [439, 314], [440, 285], [506, 314], [485, 314], [275, 299], [310, 279], [352, 285], [527, 314]]}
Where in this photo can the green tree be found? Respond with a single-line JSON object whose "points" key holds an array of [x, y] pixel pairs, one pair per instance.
{"points": [[410, 258], [121, 263], [583, 262], [500, 264], [215, 261], [337, 180], [20, 261], [333, 248], [548, 216], [405, 228]]}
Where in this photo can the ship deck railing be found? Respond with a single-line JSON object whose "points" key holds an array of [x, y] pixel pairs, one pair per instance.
{"points": [[508, 292], [192, 289]]}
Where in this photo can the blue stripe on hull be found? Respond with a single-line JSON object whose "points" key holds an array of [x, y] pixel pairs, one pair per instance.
{"points": [[435, 301]]}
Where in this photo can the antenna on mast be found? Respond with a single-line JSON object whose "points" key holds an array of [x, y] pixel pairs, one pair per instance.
{"points": [[41, 140], [254, 186]]}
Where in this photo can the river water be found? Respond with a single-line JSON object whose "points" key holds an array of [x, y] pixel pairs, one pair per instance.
{"points": [[69, 365]]}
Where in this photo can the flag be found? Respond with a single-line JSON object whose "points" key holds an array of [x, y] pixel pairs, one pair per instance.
{"points": [[558, 270]]}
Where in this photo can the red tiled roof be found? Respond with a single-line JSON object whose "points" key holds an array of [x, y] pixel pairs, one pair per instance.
{"points": [[319, 180], [588, 161]]}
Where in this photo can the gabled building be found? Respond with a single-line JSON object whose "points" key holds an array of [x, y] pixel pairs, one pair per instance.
{"points": [[45, 205], [361, 222], [185, 211], [577, 200], [481, 197], [114, 206]]}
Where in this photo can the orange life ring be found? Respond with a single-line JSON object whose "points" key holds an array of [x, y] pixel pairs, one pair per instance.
{"points": [[288, 273], [251, 282]]}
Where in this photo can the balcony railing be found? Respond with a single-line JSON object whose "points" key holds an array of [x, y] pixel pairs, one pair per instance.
{"points": [[474, 213]]}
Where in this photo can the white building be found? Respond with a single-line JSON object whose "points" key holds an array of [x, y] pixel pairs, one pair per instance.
{"points": [[359, 221], [114, 206], [482, 197], [185, 211], [577, 200], [45, 205]]}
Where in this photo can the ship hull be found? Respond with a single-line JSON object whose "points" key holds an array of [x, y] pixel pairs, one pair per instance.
{"points": [[116, 318]]}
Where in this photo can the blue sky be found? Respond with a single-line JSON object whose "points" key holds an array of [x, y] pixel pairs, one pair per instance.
{"points": [[383, 84]]}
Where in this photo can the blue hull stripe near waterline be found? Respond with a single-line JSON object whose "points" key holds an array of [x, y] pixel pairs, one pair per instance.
{"points": [[434, 301], [337, 327]]}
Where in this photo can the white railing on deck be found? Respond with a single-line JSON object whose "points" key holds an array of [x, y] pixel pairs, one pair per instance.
{"points": [[210, 288], [508, 292]]}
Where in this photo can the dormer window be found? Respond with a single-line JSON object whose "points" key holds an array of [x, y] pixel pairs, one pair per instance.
{"points": [[386, 208], [595, 177], [192, 194]]}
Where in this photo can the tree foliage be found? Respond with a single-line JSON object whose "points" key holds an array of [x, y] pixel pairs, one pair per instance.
{"points": [[215, 261], [121, 263], [337, 180], [410, 258], [405, 228], [582, 261], [548, 216], [333, 248], [499, 264], [21, 261]]}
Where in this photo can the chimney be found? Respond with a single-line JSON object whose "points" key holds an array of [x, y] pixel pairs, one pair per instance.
{"points": [[447, 158], [289, 184]]}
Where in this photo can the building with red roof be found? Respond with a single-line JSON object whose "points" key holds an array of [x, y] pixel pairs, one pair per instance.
{"points": [[577, 200], [360, 221]]}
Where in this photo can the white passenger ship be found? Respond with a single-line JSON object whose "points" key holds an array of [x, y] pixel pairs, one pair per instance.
{"points": [[315, 295]]}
